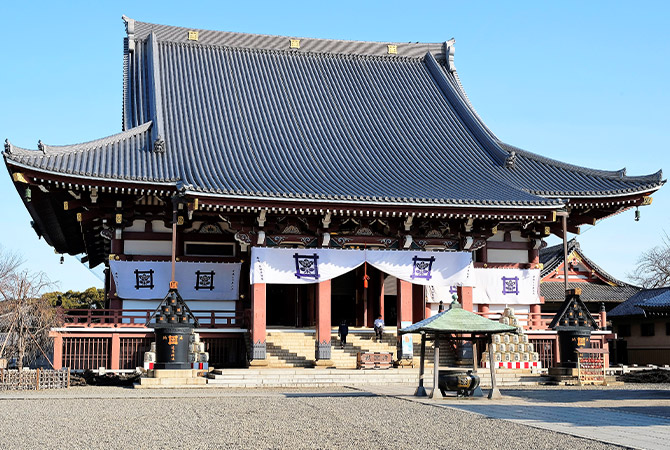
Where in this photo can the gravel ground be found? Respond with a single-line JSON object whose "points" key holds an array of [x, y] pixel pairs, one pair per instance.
{"points": [[98, 417]]}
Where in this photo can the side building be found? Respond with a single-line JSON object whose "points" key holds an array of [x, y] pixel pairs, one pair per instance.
{"points": [[297, 182], [600, 290], [642, 326]]}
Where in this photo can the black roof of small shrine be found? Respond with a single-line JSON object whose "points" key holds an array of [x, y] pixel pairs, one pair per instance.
{"points": [[658, 297], [242, 115]]}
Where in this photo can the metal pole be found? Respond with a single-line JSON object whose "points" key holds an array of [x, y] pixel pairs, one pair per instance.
{"points": [[494, 392], [565, 250], [436, 366], [421, 391]]}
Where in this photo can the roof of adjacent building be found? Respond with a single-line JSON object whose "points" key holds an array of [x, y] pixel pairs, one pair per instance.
{"points": [[659, 297], [657, 303], [244, 115], [612, 290]]}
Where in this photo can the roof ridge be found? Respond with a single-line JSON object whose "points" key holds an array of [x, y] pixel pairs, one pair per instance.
{"points": [[47, 150], [137, 30]]}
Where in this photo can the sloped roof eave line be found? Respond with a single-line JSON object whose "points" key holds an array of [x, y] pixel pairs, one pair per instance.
{"points": [[170, 183], [202, 194], [610, 195]]}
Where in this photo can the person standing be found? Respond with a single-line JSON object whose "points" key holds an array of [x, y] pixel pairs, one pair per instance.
{"points": [[379, 328], [342, 332]]}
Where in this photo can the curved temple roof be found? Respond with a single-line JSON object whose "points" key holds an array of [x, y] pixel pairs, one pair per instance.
{"points": [[241, 115]]}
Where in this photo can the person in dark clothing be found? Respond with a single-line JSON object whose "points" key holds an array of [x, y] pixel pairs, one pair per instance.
{"points": [[342, 333]]}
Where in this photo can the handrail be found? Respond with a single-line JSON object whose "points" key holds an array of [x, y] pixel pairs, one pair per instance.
{"points": [[530, 320], [138, 317]]}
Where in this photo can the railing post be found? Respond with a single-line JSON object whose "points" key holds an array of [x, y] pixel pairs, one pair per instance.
{"points": [[116, 352], [212, 320], [58, 351]]}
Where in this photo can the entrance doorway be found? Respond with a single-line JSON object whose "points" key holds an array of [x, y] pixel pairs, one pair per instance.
{"points": [[290, 305]]}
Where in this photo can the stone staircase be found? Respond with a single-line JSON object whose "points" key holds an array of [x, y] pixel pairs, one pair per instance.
{"points": [[295, 348]]}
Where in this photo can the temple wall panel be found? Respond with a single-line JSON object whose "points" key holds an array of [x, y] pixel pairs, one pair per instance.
{"points": [[157, 248], [138, 225], [507, 256]]}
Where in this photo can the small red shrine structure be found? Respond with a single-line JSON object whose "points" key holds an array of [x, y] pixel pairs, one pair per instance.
{"points": [[271, 142]]}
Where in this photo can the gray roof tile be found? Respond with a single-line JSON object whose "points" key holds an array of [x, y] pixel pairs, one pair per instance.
{"points": [[630, 308], [243, 115]]}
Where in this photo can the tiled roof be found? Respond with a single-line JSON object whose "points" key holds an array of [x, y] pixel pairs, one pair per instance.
{"points": [[457, 320], [630, 307], [241, 115], [660, 301], [552, 257], [554, 291]]}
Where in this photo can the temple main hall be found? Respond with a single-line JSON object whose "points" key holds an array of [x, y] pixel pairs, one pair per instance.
{"points": [[300, 183]]}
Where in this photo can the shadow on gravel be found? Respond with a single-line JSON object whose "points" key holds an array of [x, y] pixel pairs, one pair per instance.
{"points": [[585, 395], [329, 394], [578, 416]]}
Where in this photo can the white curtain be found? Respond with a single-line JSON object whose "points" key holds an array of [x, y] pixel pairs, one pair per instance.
{"points": [[304, 266], [150, 280], [495, 287], [301, 266]]}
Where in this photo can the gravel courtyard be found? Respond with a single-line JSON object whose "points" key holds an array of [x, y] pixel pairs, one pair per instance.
{"points": [[101, 417]]}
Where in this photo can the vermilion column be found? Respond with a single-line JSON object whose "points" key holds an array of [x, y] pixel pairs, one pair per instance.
{"points": [[58, 350], [535, 319], [484, 309], [323, 325], [116, 352], [258, 293], [404, 315], [381, 294], [465, 296]]}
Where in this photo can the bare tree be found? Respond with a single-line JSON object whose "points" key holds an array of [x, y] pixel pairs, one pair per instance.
{"points": [[653, 266], [25, 317]]}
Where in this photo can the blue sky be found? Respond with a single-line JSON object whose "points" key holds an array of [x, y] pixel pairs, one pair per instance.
{"points": [[582, 82]]}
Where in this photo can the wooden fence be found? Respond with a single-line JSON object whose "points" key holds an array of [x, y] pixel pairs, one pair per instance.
{"points": [[12, 379]]}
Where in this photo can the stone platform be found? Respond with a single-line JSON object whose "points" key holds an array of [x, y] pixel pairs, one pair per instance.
{"points": [[165, 378]]}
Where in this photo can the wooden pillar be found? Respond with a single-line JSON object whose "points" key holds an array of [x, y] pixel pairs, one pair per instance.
{"points": [[258, 294], [115, 356], [436, 366], [404, 308], [381, 295], [58, 351], [603, 317], [421, 391], [323, 325], [494, 393], [465, 296], [484, 309], [535, 319]]}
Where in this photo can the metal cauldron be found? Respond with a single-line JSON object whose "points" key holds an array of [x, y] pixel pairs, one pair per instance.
{"points": [[463, 383]]}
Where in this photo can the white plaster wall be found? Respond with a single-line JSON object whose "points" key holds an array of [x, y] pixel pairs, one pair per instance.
{"points": [[151, 248], [138, 225], [507, 256]]}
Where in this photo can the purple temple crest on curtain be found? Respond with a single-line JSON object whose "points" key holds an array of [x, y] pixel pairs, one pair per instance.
{"points": [[306, 266], [453, 290], [204, 280], [144, 279], [421, 267], [510, 285]]}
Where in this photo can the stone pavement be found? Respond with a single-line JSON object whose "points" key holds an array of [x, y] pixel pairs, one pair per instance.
{"points": [[636, 417]]}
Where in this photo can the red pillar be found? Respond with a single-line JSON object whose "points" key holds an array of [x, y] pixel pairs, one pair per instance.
{"points": [[465, 296], [484, 309], [58, 351], [535, 319], [381, 294], [323, 321], [115, 356], [258, 294], [404, 314]]}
